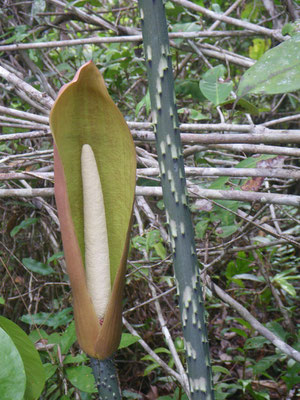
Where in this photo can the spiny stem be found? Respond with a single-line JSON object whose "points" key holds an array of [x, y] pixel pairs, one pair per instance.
{"points": [[168, 143], [106, 378]]}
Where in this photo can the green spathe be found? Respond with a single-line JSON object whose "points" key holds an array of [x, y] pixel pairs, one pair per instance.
{"points": [[84, 114]]}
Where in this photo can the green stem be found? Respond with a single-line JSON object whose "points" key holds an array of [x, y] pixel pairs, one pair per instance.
{"points": [[106, 378], [161, 87]]}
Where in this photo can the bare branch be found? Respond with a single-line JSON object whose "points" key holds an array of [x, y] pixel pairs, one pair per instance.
{"points": [[276, 34], [194, 191], [41, 98]]}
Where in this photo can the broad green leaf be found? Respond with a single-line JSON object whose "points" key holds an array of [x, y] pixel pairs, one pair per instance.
{"points": [[127, 340], [188, 87], [150, 368], [241, 104], [239, 332], [277, 329], [263, 364], [37, 266], [12, 372], [292, 376], [277, 71], [219, 368], [49, 369], [160, 250], [35, 376], [49, 319], [288, 287], [227, 230], [68, 338], [82, 378], [23, 225], [79, 359], [200, 229], [212, 89], [255, 342]]}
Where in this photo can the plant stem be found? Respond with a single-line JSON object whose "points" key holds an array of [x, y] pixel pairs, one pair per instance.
{"points": [[161, 87], [106, 378]]}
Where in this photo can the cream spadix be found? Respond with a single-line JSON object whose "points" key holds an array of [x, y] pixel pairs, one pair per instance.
{"points": [[97, 268]]}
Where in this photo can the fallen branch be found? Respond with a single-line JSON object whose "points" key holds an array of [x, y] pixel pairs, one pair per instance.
{"points": [[237, 172], [275, 33], [194, 191]]}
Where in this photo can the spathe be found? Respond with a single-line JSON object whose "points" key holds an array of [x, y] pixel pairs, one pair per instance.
{"points": [[82, 114]]}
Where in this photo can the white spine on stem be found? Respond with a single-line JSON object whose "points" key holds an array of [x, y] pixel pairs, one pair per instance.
{"points": [[95, 233]]}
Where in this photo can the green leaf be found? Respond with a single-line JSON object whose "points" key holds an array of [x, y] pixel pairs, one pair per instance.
{"points": [[55, 257], [68, 338], [193, 114], [145, 102], [277, 329], [263, 364], [35, 376], [241, 104], [23, 225], [225, 231], [37, 266], [212, 89], [82, 378], [260, 46], [277, 71], [292, 376], [152, 238], [189, 88], [49, 369], [200, 229], [239, 332], [218, 368], [160, 250], [49, 319], [150, 368], [289, 29], [2, 300], [249, 277], [20, 33], [12, 372], [286, 286], [79, 359], [127, 340], [131, 395], [255, 342], [162, 350]]}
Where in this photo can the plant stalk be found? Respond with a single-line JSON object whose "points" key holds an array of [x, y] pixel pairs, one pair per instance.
{"points": [[168, 144], [106, 378]]}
